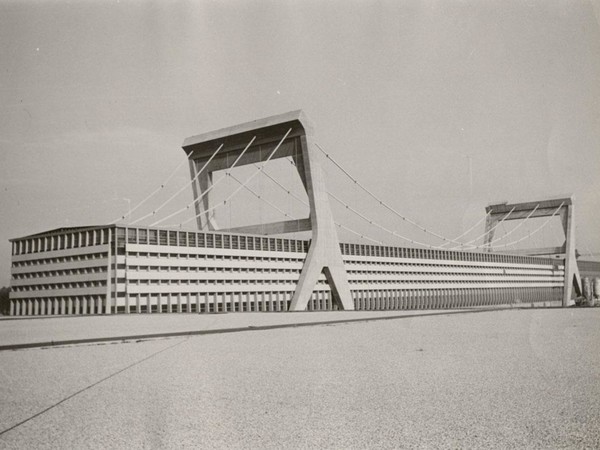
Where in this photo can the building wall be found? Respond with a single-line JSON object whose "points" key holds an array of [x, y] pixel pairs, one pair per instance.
{"points": [[143, 270], [64, 273]]}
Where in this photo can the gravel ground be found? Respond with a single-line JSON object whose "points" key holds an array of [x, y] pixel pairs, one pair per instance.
{"points": [[504, 379]]}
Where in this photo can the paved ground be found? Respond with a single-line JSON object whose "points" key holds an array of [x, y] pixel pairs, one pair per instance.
{"points": [[20, 330], [504, 379]]}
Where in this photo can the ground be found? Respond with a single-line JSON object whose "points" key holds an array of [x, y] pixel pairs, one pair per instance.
{"points": [[520, 378]]}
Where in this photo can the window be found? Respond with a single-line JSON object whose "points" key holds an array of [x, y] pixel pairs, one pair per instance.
{"points": [[132, 236], [162, 237], [183, 238]]}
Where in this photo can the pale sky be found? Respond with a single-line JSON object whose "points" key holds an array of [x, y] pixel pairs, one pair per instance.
{"points": [[96, 98]]}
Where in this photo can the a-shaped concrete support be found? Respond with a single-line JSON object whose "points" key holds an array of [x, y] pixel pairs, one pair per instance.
{"points": [[324, 254], [561, 207]]}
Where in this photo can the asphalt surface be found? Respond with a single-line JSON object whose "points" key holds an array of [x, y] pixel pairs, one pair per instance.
{"points": [[503, 379]]}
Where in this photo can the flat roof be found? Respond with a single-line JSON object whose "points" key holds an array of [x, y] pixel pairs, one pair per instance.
{"points": [[62, 230], [264, 131]]}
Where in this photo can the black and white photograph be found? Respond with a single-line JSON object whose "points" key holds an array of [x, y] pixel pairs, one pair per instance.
{"points": [[260, 224]]}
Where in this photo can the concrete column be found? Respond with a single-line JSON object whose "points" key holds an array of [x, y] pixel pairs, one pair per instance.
{"points": [[286, 299], [109, 275], [222, 302], [215, 301], [309, 304], [230, 296], [256, 302], [248, 301], [206, 302]]}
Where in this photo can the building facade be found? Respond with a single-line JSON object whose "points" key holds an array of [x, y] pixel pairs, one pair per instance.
{"points": [[115, 269]]}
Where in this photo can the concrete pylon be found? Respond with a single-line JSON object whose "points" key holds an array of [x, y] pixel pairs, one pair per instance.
{"points": [[324, 254], [562, 208]]}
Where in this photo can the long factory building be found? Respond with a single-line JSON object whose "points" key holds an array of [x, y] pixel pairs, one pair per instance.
{"points": [[115, 269]]}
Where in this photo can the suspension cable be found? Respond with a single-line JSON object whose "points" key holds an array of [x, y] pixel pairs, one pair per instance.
{"points": [[336, 223], [210, 188], [180, 190], [153, 193], [362, 236], [261, 168], [467, 244], [375, 224], [534, 231], [507, 234], [515, 228], [260, 197], [469, 230], [303, 202], [285, 189], [382, 203]]}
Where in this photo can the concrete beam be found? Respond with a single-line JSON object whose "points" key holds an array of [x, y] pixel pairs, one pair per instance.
{"points": [[500, 208], [534, 251], [266, 229]]}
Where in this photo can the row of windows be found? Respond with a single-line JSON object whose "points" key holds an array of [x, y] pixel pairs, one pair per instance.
{"points": [[436, 264], [175, 269], [76, 239], [60, 259], [197, 256], [58, 273], [424, 253], [238, 270], [73, 239], [368, 268], [52, 286], [147, 236], [206, 282], [183, 256], [260, 294]]}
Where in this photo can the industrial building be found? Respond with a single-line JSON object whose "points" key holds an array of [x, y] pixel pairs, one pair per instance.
{"points": [[114, 270], [122, 268]]}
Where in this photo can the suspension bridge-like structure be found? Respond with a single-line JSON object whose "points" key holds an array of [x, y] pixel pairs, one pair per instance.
{"points": [[128, 267]]}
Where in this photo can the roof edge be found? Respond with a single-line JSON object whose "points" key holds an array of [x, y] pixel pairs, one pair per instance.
{"points": [[245, 127]]}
